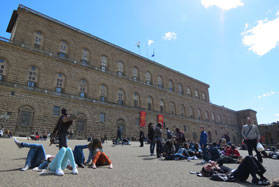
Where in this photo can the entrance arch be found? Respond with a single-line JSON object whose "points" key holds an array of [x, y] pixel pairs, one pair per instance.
{"points": [[24, 120], [80, 127], [121, 123]]}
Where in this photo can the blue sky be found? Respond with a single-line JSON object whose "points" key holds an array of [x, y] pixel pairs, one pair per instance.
{"points": [[233, 45]]}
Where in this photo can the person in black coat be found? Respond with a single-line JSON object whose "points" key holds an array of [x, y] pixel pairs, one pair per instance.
{"points": [[141, 138]]}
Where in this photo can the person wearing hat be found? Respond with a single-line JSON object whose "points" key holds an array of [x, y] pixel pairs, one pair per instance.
{"points": [[61, 129]]}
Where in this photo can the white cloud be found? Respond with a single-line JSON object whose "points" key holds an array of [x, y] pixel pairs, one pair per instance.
{"points": [[277, 13], [150, 42], [222, 4], [169, 36], [277, 115], [263, 37], [268, 94]]}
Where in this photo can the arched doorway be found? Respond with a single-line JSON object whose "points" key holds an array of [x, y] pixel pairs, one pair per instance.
{"points": [[209, 137], [121, 123], [195, 136], [24, 120], [80, 128]]}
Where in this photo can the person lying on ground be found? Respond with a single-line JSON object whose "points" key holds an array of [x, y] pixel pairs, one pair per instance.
{"points": [[248, 166], [60, 163], [36, 154], [274, 153], [99, 158]]}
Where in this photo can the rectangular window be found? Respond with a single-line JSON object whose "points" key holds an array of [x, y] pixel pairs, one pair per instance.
{"points": [[56, 110], [31, 84], [82, 94], [102, 98], [1, 77], [102, 117], [58, 90]]}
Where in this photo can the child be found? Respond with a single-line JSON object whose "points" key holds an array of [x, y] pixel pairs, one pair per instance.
{"points": [[99, 157]]}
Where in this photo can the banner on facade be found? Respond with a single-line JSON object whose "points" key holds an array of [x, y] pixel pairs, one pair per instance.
{"points": [[160, 119], [142, 118]]}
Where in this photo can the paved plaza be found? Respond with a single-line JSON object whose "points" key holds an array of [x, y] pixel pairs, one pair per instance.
{"points": [[132, 167]]}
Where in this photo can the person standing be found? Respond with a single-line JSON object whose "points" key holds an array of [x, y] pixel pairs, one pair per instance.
{"points": [[141, 138], [61, 129], [251, 136], [151, 138], [169, 134], [119, 134], [203, 143], [158, 139]]}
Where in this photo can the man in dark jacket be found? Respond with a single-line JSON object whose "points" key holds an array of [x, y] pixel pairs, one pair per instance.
{"points": [[151, 138], [203, 143], [158, 139], [141, 138]]}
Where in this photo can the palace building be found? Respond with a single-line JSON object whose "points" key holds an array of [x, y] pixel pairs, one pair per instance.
{"points": [[47, 65]]}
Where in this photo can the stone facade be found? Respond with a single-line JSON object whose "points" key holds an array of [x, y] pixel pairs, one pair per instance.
{"points": [[270, 133], [48, 65]]}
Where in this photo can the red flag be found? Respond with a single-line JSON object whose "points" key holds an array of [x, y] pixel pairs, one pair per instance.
{"points": [[142, 118], [160, 119]]}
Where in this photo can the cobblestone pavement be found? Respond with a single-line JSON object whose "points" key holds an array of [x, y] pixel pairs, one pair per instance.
{"points": [[132, 167]]}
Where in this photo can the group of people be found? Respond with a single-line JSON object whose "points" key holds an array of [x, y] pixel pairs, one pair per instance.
{"points": [[38, 160]]}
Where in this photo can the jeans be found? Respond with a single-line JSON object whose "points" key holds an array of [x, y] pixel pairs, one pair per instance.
{"points": [[252, 144], [158, 147], [79, 155], [61, 159], [152, 146], [36, 154]]}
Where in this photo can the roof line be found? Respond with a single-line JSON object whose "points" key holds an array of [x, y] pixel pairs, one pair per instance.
{"points": [[104, 41]]}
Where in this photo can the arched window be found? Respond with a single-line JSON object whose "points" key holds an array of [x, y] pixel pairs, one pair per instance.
{"points": [[180, 89], [198, 114], [103, 93], [120, 97], [84, 57], [188, 91], [160, 82], [149, 103], [32, 78], [3, 69], [191, 112], [171, 86], [162, 106], [60, 82], [63, 49], [120, 69], [38, 40], [135, 74], [206, 115], [104, 63], [83, 88], [218, 118], [203, 96], [148, 79], [196, 93], [213, 116], [136, 100], [172, 108], [182, 110]]}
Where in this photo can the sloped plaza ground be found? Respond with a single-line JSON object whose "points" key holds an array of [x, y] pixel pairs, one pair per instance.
{"points": [[133, 166]]}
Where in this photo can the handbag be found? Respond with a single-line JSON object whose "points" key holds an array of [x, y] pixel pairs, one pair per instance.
{"points": [[260, 147]]}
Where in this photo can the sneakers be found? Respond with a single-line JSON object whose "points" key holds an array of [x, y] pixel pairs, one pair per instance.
{"points": [[47, 172], [94, 166], [195, 158], [75, 171], [25, 168], [59, 172], [37, 169], [110, 166], [18, 143]]}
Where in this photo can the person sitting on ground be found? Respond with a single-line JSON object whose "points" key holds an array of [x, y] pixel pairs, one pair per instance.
{"points": [[214, 153], [231, 151], [60, 163], [79, 155], [197, 150], [223, 143], [36, 154], [273, 153], [99, 158], [169, 150]]}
